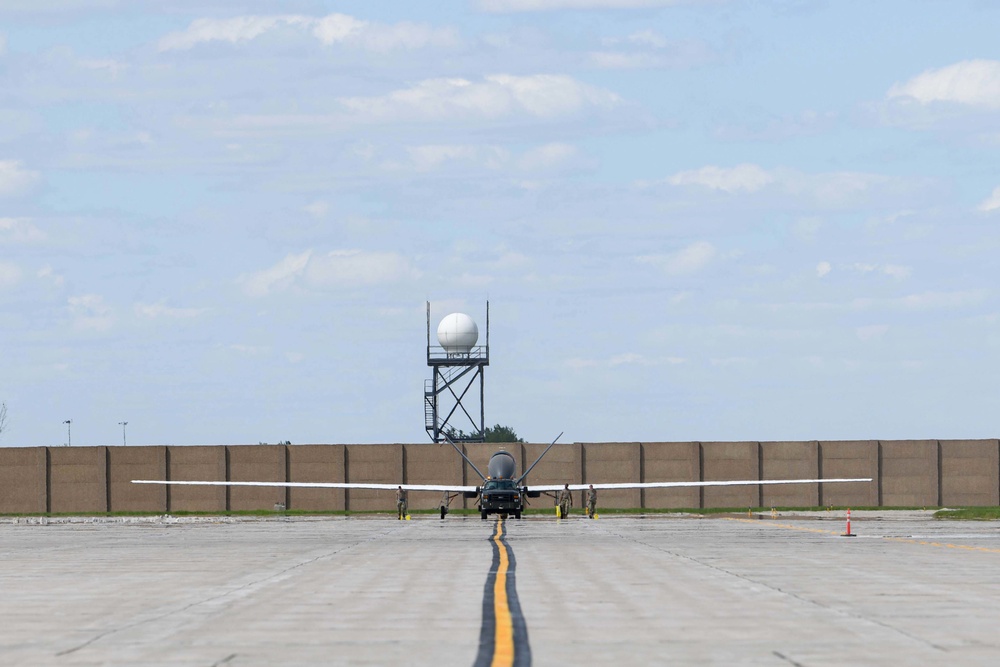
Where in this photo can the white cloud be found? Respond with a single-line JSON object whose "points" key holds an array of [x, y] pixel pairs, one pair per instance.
{"points": [[294, 357], [329, 30], [631, 358], [892, 270], [317, 209], [277, 278], [250, 350], [109, 65], [822, 269], [732, 362], [922, 301], [548, 156], [992, 203], [741, 178], [687, 260], [896, 271], [10, 274], [433, 156], [334, 270], [549, 5], [90, 313], [620, 60], [15, 179], [955, 299], [46, 273], [649, 49], [871, 332], [152, 311], [19, 230], [829, 189], [546, 96], [970, 82], [648, 38], [354, 268], [624, 359], [807, 229]]}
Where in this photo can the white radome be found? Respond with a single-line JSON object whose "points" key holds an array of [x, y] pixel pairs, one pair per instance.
{"points": [[458, 333]]}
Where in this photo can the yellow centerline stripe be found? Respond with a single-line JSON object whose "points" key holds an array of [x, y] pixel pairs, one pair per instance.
{"points": [[503, 643], [940, 545]]}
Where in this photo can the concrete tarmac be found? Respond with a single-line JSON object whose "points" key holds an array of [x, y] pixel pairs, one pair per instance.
{"points": [[619, 590]]}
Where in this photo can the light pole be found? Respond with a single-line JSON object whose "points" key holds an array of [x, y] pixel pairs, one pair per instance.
{"points": [[123, 425], [69, 433]]}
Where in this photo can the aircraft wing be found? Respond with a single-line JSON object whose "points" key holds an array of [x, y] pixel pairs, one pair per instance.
{"points": [[670, 485], [440, 488]]}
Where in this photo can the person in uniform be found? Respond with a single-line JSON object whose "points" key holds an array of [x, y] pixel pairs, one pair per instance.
{"points": [[565, 501], [591, 501], [400, 503]]}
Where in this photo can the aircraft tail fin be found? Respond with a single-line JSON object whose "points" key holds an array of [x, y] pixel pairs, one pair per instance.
{"points": [[462, 454], [521, 478]]}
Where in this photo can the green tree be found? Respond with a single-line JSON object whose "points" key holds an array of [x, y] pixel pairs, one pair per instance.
{"points": [[500, 433]]}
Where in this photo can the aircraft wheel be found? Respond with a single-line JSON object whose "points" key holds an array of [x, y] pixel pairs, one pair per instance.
{"points": [[444, 510], [517, 515]]}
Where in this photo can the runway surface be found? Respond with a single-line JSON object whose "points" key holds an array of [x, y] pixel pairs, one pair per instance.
{"points": [[618, 590]]}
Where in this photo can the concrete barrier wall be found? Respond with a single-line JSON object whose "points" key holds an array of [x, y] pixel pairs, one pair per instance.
{"points": [[562, 465], [78, 479], [197, 463], [671, 462], [432, 464], [909, 472], [922, 473], [128, 463], [261, 463], [970, 472], [316, 463], [849, 459], [726, 461], [381, 464], [790, 460], [610, 462], [23, 486]]}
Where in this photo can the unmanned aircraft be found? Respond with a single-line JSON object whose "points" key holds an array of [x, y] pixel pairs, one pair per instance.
{"points": [[502, 491]]}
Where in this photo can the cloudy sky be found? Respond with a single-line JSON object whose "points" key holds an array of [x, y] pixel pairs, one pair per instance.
{"points": [[693, 220]]}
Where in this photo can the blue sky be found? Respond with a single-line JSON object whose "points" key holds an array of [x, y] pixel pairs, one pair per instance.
{"points": [[700, 220]]}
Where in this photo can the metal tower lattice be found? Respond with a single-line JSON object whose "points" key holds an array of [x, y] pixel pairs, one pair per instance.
{"points": [[449, 407]]}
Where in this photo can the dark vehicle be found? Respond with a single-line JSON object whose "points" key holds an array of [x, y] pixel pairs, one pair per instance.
{"points": [[500, 494]]}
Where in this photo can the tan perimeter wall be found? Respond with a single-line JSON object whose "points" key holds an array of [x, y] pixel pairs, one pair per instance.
{"points": [[910, 473]]}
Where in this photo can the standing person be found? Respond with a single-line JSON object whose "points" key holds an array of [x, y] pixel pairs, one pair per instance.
{"points": [[400, 503], [591, 501], [565, 500]]}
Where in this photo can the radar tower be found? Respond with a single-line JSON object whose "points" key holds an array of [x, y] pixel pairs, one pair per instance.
{"points": [[456, 365]]}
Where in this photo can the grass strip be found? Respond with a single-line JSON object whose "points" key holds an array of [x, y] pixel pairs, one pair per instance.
{"points": [[980, 513]]}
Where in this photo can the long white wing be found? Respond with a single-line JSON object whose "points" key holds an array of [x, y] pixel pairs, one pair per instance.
{"points": [[316, 485], [670, 485]]}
